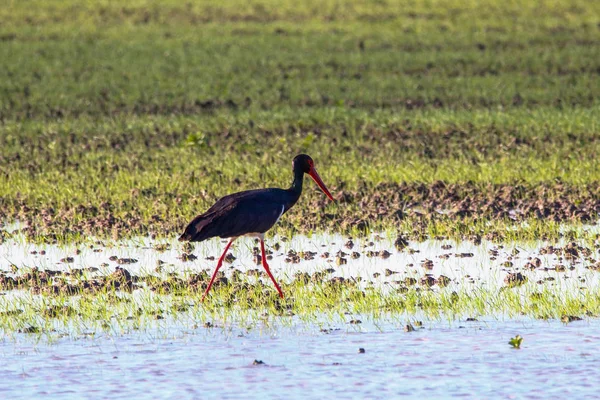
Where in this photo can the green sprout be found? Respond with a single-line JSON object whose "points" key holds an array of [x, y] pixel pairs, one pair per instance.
{"points": [[516, 341]]}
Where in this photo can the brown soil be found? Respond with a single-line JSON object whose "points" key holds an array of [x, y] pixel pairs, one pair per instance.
{"points": [[419, 203]]}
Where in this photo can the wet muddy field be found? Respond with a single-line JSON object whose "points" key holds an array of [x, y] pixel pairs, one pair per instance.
{"points": [[154, 338], [387, 262], [461, 256], [417, 206]]}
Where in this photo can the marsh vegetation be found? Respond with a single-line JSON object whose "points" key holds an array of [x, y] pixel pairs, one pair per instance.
{"points": [[459, 139]]}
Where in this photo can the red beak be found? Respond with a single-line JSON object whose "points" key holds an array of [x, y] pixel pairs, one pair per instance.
{"points": [[313, 174]]}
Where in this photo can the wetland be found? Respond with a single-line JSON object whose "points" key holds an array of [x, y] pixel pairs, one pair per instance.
{"points": [[459, 140]]}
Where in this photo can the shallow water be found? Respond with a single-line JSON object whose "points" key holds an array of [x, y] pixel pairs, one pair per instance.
{"points": [[178, 358], [466, 264], [467, 359]]}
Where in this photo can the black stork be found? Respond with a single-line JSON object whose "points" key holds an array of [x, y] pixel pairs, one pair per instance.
{"points": [[251, 213]]}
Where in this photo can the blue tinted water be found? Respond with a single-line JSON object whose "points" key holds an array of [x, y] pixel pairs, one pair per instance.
{"points": [[177, 360], [466, 359]]}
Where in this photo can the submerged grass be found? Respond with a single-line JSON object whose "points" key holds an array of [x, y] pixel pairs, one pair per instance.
{"points": [[114, 312]]}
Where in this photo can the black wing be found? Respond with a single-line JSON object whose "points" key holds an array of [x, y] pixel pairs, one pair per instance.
{"points": [[253, 211]]}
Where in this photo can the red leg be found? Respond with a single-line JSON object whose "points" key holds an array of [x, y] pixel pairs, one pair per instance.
{"points": [[266, 266], [217, 269]]}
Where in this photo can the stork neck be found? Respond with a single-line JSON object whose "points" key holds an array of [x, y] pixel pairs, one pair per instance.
{"points": [[296, 187]]}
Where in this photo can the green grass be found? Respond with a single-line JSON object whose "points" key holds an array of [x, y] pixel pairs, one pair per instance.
{"points": [[100, 60], [145, 113], [114, 312]]}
